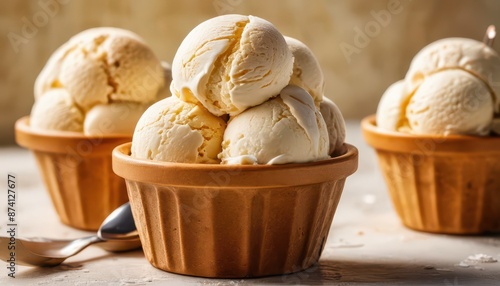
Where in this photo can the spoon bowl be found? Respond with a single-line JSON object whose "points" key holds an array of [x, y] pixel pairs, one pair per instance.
{"points": [[119, 225]]}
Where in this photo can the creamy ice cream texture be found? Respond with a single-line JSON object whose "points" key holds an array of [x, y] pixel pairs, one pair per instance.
{"points": [[470, 55], [307, 72], [98, 67], [391, 108], [241, 66], [285, 129], [451, 88], [308, 75], [335, 125], [113, 118], [57, 111], [176, 131], [451, 102], [230, 63]]}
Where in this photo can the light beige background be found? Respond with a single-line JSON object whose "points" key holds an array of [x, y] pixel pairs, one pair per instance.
{"points": [[355, 85]]}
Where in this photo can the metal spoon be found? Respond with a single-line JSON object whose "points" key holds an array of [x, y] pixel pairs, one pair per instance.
{"points": [[117, 233]]}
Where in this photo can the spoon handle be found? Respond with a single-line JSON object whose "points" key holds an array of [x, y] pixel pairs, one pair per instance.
{"points": [[80, 244], [45, 252]]}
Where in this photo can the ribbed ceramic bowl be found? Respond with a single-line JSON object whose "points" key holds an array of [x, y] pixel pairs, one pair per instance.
{"points": [[233, 221], [77, 173], [442, 184]]}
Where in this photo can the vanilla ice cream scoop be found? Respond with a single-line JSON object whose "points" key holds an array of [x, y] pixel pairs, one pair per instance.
{"points": [[56, 111], [103, 65], [391, 108], [470, 55], [113, 118], [307, 72], [334, 124], [230, 63], [172, 130], [451, 102], [285, 129]]}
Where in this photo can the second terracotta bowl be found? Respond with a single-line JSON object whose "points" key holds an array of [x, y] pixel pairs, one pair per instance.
{"points": [[77, 173], [233, 221], [442, 184]]}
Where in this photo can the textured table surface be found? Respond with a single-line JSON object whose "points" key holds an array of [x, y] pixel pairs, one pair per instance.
{"points": [[367, 244]]}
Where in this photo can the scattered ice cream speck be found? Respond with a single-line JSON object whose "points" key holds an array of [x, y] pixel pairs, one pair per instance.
{"points": [[475, 259], [345, 244], [481, 258], [369, 199]]}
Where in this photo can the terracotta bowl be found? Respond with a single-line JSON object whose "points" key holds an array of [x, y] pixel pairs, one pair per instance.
{"points": [[442, 184], [233, 221], [76, 170]]}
